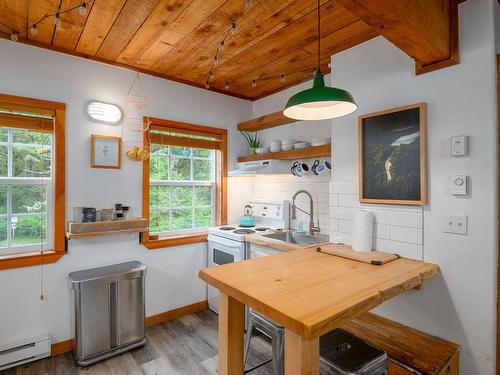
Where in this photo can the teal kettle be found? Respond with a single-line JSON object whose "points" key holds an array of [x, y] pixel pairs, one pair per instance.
{"points": [[247, 220]]}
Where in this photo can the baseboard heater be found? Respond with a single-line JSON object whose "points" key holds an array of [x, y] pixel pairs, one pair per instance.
{"points": [[24, 351]]}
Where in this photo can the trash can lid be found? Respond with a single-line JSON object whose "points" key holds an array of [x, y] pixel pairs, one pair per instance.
{"points": [[125, 270], [348, 354]]}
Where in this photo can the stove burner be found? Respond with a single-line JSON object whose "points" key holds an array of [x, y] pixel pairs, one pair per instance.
{"points": [[244, 231], [227, 228], [262, 229]]}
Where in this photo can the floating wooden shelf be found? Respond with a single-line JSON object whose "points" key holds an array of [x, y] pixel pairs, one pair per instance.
{"points": [[305, 153], [265, 122], [103, 228]]}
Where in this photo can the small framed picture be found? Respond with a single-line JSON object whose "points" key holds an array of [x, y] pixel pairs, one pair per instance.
{"points": [[105, 152], [393, 156]]}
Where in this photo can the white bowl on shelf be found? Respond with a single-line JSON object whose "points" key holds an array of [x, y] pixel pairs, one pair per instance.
{"points": [[275, 148], [288, 141], [262, 150], [320, 141], [287, 147], [275, 143], [301, 145]]}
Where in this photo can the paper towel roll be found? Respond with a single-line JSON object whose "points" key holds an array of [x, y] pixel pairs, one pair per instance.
{"points": [[362, 231]]}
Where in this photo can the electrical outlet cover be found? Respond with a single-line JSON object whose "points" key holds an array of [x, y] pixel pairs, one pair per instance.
{"points": [[456, 224]]}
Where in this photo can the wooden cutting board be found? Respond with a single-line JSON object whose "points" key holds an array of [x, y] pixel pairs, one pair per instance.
{"points": [[371, 257]]}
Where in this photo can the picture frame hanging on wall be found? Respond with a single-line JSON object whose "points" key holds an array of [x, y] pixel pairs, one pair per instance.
{"points": [[105, 152], [393, 156]]}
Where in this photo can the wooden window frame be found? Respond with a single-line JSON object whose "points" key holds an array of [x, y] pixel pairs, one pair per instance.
{"points": [[58, 110], [221, 182]]}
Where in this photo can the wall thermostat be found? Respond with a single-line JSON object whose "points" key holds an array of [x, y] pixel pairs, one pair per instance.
{"points": [[459, 145], [459, 185]]}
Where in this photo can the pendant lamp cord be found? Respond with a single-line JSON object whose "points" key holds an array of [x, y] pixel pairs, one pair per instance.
{"points": [[319, 39]]}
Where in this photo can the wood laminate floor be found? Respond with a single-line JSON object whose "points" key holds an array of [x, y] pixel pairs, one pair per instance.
{"points": [[184, 346]]}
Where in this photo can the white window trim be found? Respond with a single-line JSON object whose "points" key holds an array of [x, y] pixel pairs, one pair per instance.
{"points": [[10, 181], [185, 183]]}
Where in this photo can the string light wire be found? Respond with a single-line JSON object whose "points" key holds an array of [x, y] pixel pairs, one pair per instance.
{"points": [[82, 8]]}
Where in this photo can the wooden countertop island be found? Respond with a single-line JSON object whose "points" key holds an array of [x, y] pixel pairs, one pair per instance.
{"points": [[307, 292]]}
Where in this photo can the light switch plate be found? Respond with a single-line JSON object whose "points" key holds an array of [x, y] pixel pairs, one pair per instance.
{"points": [[456, 224], [459, 145], [459, 184]]}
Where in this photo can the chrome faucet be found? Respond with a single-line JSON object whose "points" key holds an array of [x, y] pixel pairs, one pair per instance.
{"points": [[312, 229]]}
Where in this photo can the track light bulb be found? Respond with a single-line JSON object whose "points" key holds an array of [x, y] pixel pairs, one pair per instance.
{"points": [[82, 9], [212, 76], [221, 46], [14, 36], [227, 86], [283, 79], [34, 29], [57, 19], [234, 29], [254, 84], [207, 85], [216, 60]]}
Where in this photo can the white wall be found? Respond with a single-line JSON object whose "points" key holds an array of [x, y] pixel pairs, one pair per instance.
{"points": [[496, 5], [172, 279], [459, 304]]}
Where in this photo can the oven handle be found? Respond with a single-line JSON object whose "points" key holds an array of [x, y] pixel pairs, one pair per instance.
{"points": [[224, 242]]}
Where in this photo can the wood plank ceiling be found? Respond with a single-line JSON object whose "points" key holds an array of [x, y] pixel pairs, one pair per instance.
{"points": [[178, 39]]}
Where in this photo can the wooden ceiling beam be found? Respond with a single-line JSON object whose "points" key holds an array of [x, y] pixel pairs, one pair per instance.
{"points": [[131, 17], [99, 21], [259, 23], [161, 18], [195, 13], [72, 23], [425, 30], [46, 28], [299, 65], [281, 43]]}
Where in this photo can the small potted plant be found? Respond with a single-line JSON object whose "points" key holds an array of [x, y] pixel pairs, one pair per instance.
{"points": [[253, 141]]}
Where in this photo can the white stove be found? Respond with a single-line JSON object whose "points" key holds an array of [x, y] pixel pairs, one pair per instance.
{"points": [[226, 244], [238, 233]]}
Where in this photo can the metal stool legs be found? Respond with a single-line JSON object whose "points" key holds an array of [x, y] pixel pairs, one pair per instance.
{"points": [[278, 354], [274, 332]]}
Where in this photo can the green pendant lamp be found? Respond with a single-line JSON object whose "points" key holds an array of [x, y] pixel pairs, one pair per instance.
{"points": [[320, 102]]}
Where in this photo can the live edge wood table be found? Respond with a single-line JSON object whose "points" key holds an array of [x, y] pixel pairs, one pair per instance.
{"points": [[307, 292]]}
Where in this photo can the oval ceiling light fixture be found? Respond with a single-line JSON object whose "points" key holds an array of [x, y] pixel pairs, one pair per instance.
{"points": [[320, 102], [106, 113]]}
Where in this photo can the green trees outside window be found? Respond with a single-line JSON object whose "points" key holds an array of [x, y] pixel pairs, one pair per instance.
{"points": [[182, 188], [25, 188]]}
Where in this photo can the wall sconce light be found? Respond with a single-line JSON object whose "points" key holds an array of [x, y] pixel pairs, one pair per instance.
{"points": [[106, 113]]}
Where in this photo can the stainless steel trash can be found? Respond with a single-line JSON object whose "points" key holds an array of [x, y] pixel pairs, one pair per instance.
{"points": [[109, 311], [344, 354]]}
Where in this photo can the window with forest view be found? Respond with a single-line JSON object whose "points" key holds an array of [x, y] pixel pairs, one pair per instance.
{"points": [[181, 192], [25, 190], [184, 182]]}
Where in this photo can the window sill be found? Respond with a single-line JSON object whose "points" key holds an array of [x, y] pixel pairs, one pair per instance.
{"points": [[175, 240], [29, 259]]}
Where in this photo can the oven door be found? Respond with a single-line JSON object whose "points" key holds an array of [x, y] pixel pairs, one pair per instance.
{"points": [[222, 251]]}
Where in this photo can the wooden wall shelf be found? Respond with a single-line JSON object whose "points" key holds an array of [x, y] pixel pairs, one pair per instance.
{"points": [[306, 153], [265, 122], [103, 228]]}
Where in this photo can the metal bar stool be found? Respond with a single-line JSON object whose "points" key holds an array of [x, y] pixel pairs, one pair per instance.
{"points": [[272, 330]]}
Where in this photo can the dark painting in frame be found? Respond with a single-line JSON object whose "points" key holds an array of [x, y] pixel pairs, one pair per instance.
{"points": [[393, 156]]}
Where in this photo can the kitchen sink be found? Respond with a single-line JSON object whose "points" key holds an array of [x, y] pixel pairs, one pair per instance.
{"points": [[300, 239]]}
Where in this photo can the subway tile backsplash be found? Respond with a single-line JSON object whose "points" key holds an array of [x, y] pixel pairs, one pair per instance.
{"points": [[282, 187], [397, 229]]}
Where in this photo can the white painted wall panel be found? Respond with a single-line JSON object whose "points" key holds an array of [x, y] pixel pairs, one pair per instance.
{"points": [[460, 303]]}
